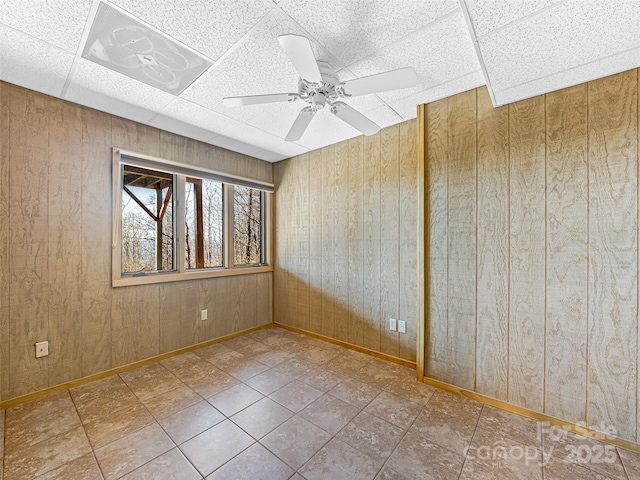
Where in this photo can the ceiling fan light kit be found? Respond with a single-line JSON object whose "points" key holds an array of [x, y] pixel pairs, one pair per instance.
{"points": [[319, 86]]}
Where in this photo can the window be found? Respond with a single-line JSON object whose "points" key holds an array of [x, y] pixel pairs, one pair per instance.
{"points": [[176, 222]]}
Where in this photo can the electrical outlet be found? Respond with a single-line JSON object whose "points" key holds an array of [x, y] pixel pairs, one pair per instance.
{"points": [[42, 349], [402, 326], [392, 324], [203, 314]]}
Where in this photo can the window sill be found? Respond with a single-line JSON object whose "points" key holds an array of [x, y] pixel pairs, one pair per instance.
{"points": [[152, 278]]}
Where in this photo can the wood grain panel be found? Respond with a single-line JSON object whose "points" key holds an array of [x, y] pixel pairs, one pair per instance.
{"points": [[300, 212], [4, 237], [461, 248], [264, 299], [527, 253], [341, 240], [389, 236], [613, 254], [492, 341], [207, 294], [356, 241], [436, 355], [408, 238], [29, 285], [315, 241], [328, 245], [280, 247], [566, 281], [96, 241], [374, 322], [64, 249]]}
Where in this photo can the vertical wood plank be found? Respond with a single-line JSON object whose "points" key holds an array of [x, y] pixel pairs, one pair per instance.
{"points": [[65, 247], [461, 283], [301, 234], [374, 323], [566, 283], [355, 239], [328, 245], [389, 236], [613, 255], [437, 139], [315, 241], [246, 302], [264, 288], [5, 91], [527, 253], [408, 231], [281, 241], [341, 240], [493, 248], [96, 241], [29, 286]]}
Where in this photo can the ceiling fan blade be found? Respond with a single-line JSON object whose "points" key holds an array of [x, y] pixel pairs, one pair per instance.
{"points": [[300, 125], [354, 118], [381, 82], [298, 49], [258, 99]]}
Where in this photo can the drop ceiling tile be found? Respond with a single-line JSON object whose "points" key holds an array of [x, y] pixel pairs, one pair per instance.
{"points": [[290, 149], [106, 90], [33, 64], [353, 29], [275, 118], [269, 156], [210, 28], [384, 116], [58, 23], [584, 73], [561, 38], [180, 127], [489, 15], [234, 144], [440, 53], [326, 129], [407, 106]]}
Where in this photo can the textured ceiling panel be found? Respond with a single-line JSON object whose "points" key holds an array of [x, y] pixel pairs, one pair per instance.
{"points": [[58, 23], [383, 116], [439, 53], [561, 38], [180, 127], [209, 27], [489, 15], [330, 130], [106, 90], [31, 63], [354, 29]]}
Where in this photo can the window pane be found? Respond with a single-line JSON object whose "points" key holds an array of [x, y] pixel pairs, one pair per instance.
{"points": [[247, 234], [147, 220], [203, 230]]}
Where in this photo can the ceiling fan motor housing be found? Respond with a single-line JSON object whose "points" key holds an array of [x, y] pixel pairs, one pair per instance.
{"points": [[319, 94]]}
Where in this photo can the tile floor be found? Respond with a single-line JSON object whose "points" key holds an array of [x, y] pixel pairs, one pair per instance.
{"points": [[277, 405]]}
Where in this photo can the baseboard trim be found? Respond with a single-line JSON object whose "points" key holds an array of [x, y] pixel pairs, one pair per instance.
{"points": [[114, 371], [541, 417], [348, 345]]}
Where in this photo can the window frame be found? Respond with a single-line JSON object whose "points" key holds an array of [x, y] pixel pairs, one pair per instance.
{"points": [[181, 172]]}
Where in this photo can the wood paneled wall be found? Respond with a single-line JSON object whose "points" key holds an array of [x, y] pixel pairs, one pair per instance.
{"points": [[532, 241], [55, 252], [346, 240]]}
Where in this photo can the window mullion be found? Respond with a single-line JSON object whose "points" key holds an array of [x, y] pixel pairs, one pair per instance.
{"points": [[227, 219], [180, 220]]}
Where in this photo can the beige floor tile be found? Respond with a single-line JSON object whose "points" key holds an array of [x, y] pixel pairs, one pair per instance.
{"points": [[372, 436], [172, 401], [84, 468], [227, 358], [412, 390], [329, 413], [178, 362], [296, 395], [112, 426], [395, 410], [323, 379], [240, 342], [191, 369], [451, 428], [372, 374], [274, 357], [355, 392], [170, 465], [295, 367], [296, 441], [117, 398], [513, 466], [348, 364], [211, 383], [193, 420], [338, 460], [631, 462], [29, 462], [509, 425], [269, 381], [132, 451], [151, 380], [320, 355], [216, 446], [246, 369], [99, 388], [234, 399], [211, 350], [557, 469], [388, 473], [261, 417], [39, 420], [255, 463], [419, 459]]}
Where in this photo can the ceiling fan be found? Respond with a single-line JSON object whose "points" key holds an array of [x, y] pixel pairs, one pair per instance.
{"points": [[319, 86]]}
